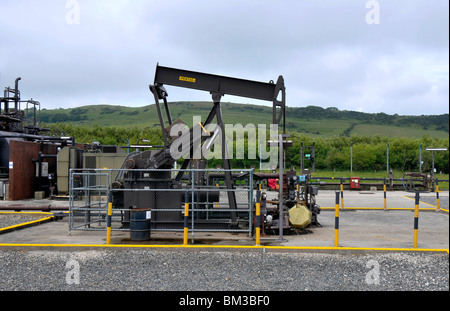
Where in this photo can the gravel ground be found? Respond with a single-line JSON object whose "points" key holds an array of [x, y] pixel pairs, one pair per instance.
{"points": [[189, 270], [443, 201], [9, 219]]}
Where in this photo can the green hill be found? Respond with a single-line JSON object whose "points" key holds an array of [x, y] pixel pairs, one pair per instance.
{"points": [[311, 120]]}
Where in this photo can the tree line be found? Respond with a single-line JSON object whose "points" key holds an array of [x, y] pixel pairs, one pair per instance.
{"points": [[366, 153], [363, 153], [438, 122]]}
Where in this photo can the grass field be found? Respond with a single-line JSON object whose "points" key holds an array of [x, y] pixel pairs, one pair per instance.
{"points": [[313, 121], [396, 131]]}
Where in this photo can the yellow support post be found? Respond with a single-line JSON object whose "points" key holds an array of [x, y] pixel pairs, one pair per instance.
{"points": [[384, 190], [416, 220], [342, 195], [336, 222], [258, 218], [108, 223], [186, 215], [437, 195], [186, 218], [217, 204]]}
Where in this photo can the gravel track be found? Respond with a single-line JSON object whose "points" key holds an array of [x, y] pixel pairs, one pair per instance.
{"points": [[190, 270]]}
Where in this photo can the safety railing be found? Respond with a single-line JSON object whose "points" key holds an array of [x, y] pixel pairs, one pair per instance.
{"points": [[365, 183], [103, 200], [386, 204], [416, 209]]}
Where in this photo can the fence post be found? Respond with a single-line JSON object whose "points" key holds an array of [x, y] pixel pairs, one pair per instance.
{"points": [[336, 222], [416, 220], [186, 217], [109, 219], [437, 195], [258, 217], [217, 203], [384, 193], [280, 190]]}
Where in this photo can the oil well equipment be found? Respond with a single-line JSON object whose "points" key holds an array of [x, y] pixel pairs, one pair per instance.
{"points": [[150, 169], [27, 155]]}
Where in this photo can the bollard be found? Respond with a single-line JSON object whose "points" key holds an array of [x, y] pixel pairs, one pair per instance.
{"points": [[416, 220], [108, 219], [384, 191], [342, 194], [437, 194], [217, 204], [258, 218], [336, 221], [186, 218]]}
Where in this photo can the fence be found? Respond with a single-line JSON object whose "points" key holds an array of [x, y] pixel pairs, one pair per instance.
{"points": [[199, 202], [416, 210], [210, 202], [409, 183]]}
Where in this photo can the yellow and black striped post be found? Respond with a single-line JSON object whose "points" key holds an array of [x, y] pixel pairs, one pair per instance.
{"points": [[109, 219], [186, 219], [217, 203], [384, 193], [258, 218], [416, 220], [342, 193], [437, 194], [336, 221]]}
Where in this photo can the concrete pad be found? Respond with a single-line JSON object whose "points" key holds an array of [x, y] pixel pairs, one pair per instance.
{"points": [[362, 228], [377, 229], [374, 199]]}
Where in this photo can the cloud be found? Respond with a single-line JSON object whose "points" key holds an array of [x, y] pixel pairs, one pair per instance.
{"points": [[327, 53], [413, 83]]}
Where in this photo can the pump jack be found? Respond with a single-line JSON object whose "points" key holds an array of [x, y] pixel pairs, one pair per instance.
{"points": [[217, 86]]}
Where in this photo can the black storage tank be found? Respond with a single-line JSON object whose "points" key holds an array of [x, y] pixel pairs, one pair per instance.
{"points": [[140, 220]]}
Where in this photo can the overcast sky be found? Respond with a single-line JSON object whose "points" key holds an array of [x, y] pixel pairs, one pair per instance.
{"points": [[330, 53]]}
